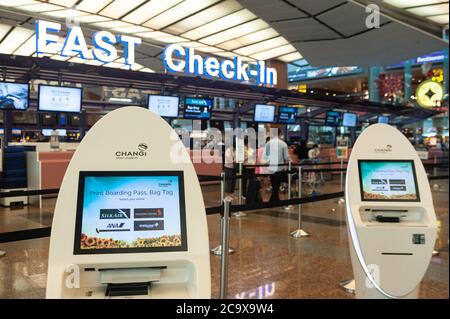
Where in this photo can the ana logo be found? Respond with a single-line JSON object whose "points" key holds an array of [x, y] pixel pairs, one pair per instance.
{"points": [[140, 152], [386, 149]]}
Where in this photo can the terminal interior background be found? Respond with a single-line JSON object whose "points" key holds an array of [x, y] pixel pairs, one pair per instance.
{"points": [[326, 60]]}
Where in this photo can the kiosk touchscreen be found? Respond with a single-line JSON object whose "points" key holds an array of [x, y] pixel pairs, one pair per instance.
{"points": [[122, 225], [390, 215]]}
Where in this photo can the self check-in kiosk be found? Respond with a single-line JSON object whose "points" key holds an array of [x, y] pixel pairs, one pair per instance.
{"points": [[130, 218], [390, 215]]}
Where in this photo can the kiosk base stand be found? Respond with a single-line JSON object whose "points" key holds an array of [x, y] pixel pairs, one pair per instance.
{"points": [[298, 233], [217, 251], [348, 286]]}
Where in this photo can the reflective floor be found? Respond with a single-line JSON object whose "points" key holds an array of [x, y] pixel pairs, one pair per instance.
{"points": [[268, 263]]}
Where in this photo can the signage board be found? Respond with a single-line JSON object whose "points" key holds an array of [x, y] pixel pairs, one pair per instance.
{"points": [[103, 42], [178, 59]]}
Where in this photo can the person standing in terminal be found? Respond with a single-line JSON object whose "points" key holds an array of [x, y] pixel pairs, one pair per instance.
{"points": [[276, 153], [262, 169], [230, 169], [249, 159]]}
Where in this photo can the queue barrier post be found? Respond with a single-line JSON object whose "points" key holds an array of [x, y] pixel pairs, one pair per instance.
{"points": [[341, 200], [240, 186], [289, 207], [435, 185], [225, 222], [299, 232], [217, 251]]}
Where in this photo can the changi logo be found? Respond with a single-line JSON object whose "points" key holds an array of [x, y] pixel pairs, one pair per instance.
{"points": [[142, 147], [140, 152], [386, 149], [178, 59]]}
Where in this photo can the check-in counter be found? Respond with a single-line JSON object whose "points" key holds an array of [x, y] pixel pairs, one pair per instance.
{"points": [[206, 162], [45, 170]]}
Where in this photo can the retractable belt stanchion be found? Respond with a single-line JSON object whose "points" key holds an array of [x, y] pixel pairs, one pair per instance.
{"points": [[435, 185], [240, 214], [341, 200], [218, 249], [225, 222], [299, 232], [289, 207]]}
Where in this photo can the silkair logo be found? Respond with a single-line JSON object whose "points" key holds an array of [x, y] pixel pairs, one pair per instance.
{"points": [[140, 152], [120, 213]]}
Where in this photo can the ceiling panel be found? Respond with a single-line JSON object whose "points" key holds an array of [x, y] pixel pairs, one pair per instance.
{"points": [[270, 10], [314, 6], [248, 39], [338, 19], [149, 10], [303, 30], [178, 12], [215, 12], [223, 23], [387, 45]]}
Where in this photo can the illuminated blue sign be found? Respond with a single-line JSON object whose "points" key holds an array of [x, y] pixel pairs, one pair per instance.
{"points": [[178, 59], [75, 43]]}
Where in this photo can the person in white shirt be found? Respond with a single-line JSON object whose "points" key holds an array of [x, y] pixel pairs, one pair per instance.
{"points": [[276, 153]]}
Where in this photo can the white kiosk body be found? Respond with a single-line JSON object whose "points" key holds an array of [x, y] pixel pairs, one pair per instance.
{"points": [[390, 215], [130, 218]]}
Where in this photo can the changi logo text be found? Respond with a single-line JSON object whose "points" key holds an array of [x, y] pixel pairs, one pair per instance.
{"points": [[178, 59], [386, 149], [140, 152], [75, 43]]}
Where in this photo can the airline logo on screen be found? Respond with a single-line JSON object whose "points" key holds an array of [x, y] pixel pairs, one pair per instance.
{"points": [[178, 59], [103, 42], [139, 152]]}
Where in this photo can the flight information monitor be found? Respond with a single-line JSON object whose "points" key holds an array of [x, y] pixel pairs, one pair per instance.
{"points": [[333, 118], [130, 212], [59, 99], [349, 120], [286, 115], [198, 108], [164, 106], [383, 119], [264, 113], [14, 95], [388, 180]]}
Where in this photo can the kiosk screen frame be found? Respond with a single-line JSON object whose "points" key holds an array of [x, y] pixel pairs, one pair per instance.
{"points": [[393, 161], [77, 250]]}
